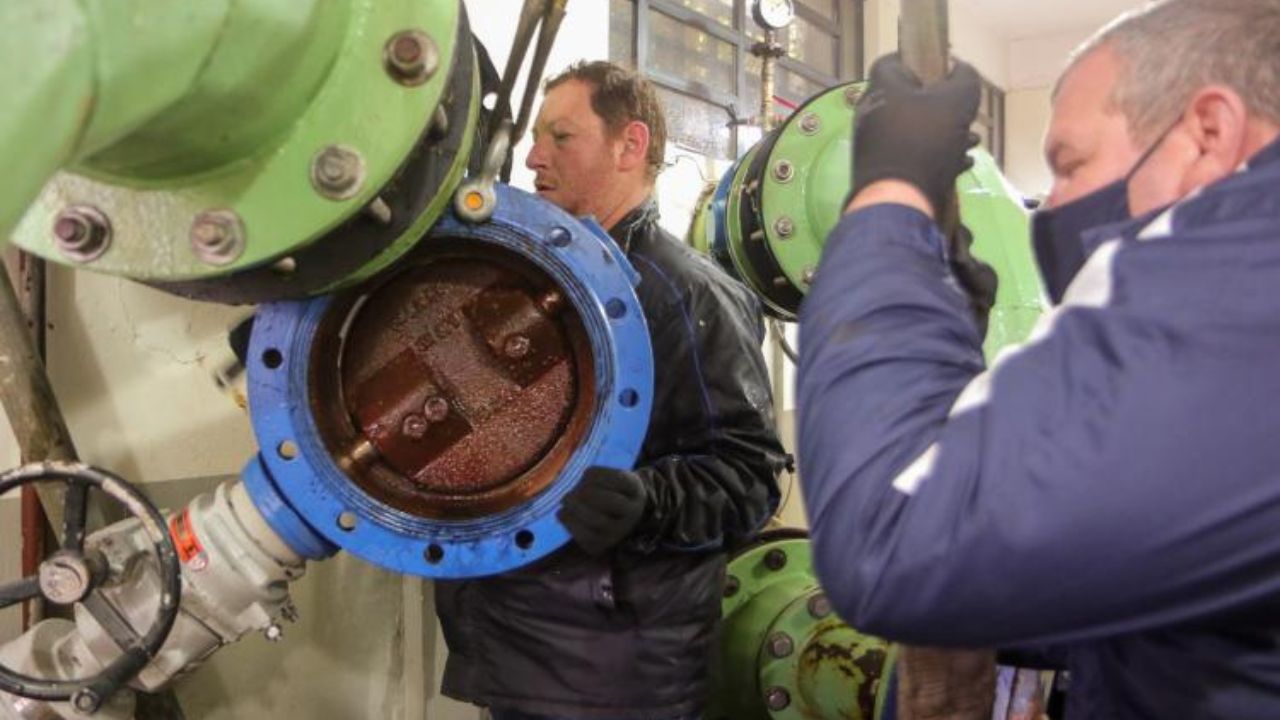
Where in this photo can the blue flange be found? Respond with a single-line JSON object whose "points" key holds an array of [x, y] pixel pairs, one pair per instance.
{"points": [[718, 238], [594, 275]]}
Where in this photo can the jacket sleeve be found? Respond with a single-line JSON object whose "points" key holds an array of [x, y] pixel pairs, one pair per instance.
{"points": [[1095, 483], [711, 456]]}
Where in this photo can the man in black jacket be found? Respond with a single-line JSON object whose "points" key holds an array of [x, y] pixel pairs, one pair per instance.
{"points": [[621, 623]]}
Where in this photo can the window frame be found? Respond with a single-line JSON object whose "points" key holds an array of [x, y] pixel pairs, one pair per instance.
{"points": [[847, 32]]}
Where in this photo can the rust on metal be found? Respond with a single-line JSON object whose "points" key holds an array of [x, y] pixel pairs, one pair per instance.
{"points": [[859, 664], [465, 381]]}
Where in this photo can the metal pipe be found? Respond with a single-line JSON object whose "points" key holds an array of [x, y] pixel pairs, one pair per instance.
{"points": [[31, 296], [924, 40], [767, 81], [28, 399]]}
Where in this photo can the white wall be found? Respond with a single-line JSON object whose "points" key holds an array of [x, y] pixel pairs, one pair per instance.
{"points": [[1026, 119]]}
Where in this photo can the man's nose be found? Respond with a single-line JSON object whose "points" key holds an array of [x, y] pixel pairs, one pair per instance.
{"points": [[536, 159]]}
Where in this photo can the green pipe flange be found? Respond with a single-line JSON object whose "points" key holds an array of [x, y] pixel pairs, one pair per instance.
{"points": [[346, 143], [816, 668], [802, 187], [805, 181], [434, 209]]}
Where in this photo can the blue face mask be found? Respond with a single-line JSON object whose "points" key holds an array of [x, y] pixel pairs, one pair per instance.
{"points": [[1057, 234]]}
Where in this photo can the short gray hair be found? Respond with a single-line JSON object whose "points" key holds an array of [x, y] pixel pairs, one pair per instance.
{"points": [[1168, 50]]}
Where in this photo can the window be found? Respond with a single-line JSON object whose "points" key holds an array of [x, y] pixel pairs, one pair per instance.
{"points": [[698, 53], [990, 122]]}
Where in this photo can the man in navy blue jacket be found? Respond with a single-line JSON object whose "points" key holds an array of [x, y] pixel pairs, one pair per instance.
{"points": [[1110, 490]]}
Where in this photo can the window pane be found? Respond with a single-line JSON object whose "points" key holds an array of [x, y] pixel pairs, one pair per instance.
{"points": [[806, 42], [795, 87], [622, 31], [683, 51], [826, 8], [719, 10], [812, 46], [697, 124]]}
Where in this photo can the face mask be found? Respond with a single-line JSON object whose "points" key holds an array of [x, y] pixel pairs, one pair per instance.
{"points": [[1057, 234]]}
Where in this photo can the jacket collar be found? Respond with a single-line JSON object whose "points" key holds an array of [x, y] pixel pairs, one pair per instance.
{"points": [[634, 224]]}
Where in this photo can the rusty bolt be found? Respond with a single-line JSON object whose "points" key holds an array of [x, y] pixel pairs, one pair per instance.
{"points": [[82, 233], [411, 57], [516, 346], [414, 426], [731, 586], [784, 226], [777, 698], [819, 606], [810, 123], [852, 95], [435, 408], [337, 172], [783, 171], [217, 236], [781, 645], [775, 559]]}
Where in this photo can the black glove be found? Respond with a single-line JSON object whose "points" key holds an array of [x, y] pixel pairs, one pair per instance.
{"points": [[976, 278], [604, 508], [919, 135]]}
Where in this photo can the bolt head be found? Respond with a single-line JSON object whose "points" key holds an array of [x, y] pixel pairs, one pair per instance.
{"points": [[819, 606], [775, 559], [731, 586], [435, 408], [781, 645], [810, 123], [217, 236], [784, 227], [82, 233], [85, 700], [414, 426], [809, 274], [852, 95], [411, 57], [783, 171], [777, 698], [516, 346], [337, 172]]}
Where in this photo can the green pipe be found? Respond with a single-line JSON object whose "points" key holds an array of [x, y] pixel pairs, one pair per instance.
{"points": [[140, 90]]}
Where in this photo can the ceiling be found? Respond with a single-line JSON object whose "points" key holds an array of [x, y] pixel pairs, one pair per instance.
{"points": [[1018, 19]]}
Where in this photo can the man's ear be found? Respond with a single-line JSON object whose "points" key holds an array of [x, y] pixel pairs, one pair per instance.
{"points": [[634, 146], [1217, 123]]}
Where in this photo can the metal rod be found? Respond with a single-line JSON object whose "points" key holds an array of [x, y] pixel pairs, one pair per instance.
{"points": [[28, 400], [546, 38], [924, 40], [767, 81]]}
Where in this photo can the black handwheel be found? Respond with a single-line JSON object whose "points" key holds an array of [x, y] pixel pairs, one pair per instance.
{"points": [[68, 576]]}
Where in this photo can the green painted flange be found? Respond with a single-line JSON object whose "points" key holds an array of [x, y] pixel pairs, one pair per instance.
{"points": [[793, 198], [784, 654], [274, 196]]}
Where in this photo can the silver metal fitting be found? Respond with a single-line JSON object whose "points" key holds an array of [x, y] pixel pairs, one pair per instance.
{"points": [[337, 172], [411, 57], [82, 233], [217, 236]]}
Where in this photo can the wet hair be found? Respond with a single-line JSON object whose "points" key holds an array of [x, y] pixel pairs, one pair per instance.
{"points": [[620, 96], [1168, 50]]}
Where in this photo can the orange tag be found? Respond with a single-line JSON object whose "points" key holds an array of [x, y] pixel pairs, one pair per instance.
{"points": [[190, 551]]}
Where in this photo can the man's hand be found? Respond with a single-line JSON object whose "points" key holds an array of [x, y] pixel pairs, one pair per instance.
{"points": [[604, 508], [913, 134]]}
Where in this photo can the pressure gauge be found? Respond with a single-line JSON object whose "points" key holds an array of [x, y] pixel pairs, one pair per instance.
{"points": [[774, 14]]}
